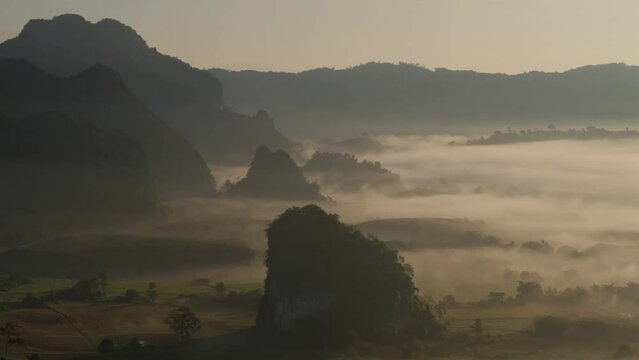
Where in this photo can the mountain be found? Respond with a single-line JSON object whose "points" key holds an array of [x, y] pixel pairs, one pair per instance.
{"points": [[189, 99], [327, 283], [60, 173], [98, 95], [274, 174], [404, 97]]}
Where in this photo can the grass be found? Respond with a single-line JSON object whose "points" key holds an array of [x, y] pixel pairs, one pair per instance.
{"points": [[75, 328]]}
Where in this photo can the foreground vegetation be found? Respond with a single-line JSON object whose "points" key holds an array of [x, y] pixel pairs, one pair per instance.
{"points": [[63, 329]]}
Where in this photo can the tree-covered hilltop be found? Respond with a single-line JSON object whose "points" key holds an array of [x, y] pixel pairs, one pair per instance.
{"points": [[328, 282], [552, 133], [346, 173], [189, 99], [274, 175]]}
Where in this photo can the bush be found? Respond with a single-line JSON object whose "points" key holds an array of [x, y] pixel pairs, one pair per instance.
{"points": [[132, 295], [83, 290]]}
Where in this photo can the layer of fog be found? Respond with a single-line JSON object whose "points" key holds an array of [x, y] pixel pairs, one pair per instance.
{"points": [[569, 193]]}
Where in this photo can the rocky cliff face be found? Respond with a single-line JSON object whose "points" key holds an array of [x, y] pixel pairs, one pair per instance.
{"points": [[327, 282], [99, 96], [274, 175], [190, 100], [288, 310]]}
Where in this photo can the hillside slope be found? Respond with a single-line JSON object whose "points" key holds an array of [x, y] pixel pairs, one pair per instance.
{"points": [[189, 99], [98, 95]]}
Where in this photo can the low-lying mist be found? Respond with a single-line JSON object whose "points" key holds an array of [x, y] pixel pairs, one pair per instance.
{"points": [[575, 195]]}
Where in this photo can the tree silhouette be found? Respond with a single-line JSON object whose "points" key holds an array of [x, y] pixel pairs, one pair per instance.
{"points": [[151, 292], [477, 329], [184, 322], [220, 289], [11, 336]]}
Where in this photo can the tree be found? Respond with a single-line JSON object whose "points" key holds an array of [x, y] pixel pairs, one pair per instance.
{"points": [[496, 298], [11, 336], [132, 295], [450, 302], [151, 292], [358, 286], [528, 291], [84, 289], [184, 322], [105, 346], [220, 289], [477, 329]]}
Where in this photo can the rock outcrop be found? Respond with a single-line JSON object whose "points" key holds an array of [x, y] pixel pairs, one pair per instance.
{"points": [[274, 175], [328, 282]]}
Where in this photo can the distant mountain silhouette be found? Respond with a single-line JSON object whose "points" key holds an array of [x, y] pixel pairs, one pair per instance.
{"points": [[99, 96], [60, 173], [274, 174], [552, 133], [189, 99], [385, 96]]}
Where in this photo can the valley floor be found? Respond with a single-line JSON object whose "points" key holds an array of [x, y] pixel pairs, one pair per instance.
{"points": [[73, 329]]}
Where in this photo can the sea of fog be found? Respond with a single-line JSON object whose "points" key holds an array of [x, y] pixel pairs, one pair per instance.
{"points": [[580, 194]]}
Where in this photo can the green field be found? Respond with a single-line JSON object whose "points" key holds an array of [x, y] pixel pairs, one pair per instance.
{"points": [[73, 329]]}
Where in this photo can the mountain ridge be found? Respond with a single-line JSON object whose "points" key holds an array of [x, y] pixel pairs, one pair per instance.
{"points": [[189, 99], [386, 97]]}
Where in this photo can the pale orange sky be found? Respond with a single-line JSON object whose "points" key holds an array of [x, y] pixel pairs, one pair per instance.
{"points": [[508, 36]]}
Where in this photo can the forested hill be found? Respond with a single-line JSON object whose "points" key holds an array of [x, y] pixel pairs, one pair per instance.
{"points": [[189, 99], [97, 95], [383, 94]]}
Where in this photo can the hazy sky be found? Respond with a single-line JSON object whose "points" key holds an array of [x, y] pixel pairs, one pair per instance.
{"points": [[485, 35]]}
